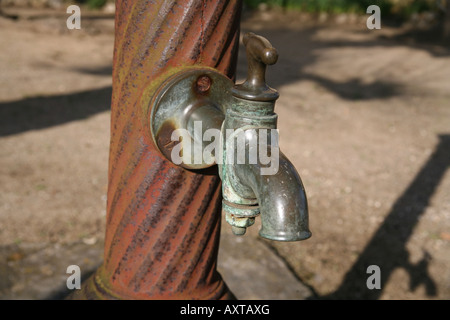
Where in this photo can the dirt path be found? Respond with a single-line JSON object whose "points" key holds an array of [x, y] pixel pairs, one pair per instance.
{"points": [[364, 116]]}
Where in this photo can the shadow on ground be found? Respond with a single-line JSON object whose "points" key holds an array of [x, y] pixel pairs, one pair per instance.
{"points": [[41, 112], [387, 248]]}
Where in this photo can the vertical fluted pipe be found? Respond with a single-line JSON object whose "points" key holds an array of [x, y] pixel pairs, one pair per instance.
{"points": [[163, 221]]}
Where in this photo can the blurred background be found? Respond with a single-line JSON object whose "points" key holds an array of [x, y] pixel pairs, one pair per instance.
{"points": [[364, 115]]}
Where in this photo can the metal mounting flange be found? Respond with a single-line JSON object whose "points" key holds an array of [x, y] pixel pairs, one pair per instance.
{"points": [[186, 105]]}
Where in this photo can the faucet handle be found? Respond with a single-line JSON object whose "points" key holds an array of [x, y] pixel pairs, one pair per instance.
{"points": [[260, 53]]}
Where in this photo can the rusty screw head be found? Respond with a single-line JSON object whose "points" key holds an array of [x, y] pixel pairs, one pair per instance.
{"points": [[203, 84]]}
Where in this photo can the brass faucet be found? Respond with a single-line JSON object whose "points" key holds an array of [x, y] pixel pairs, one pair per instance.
{"points": [[200, 118]]}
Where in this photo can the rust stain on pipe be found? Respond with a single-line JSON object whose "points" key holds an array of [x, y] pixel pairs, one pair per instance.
{"points": [[163, 221]]}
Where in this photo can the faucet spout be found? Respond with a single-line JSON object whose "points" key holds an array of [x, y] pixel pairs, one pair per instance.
{"points": [[281, 199], [268, 184]]}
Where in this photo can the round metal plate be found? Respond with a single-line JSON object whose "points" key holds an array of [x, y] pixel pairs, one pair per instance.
{"points": [[196, 94]]}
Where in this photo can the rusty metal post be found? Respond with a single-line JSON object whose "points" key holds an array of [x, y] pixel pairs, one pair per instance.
{"points": [[163, 221]]}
